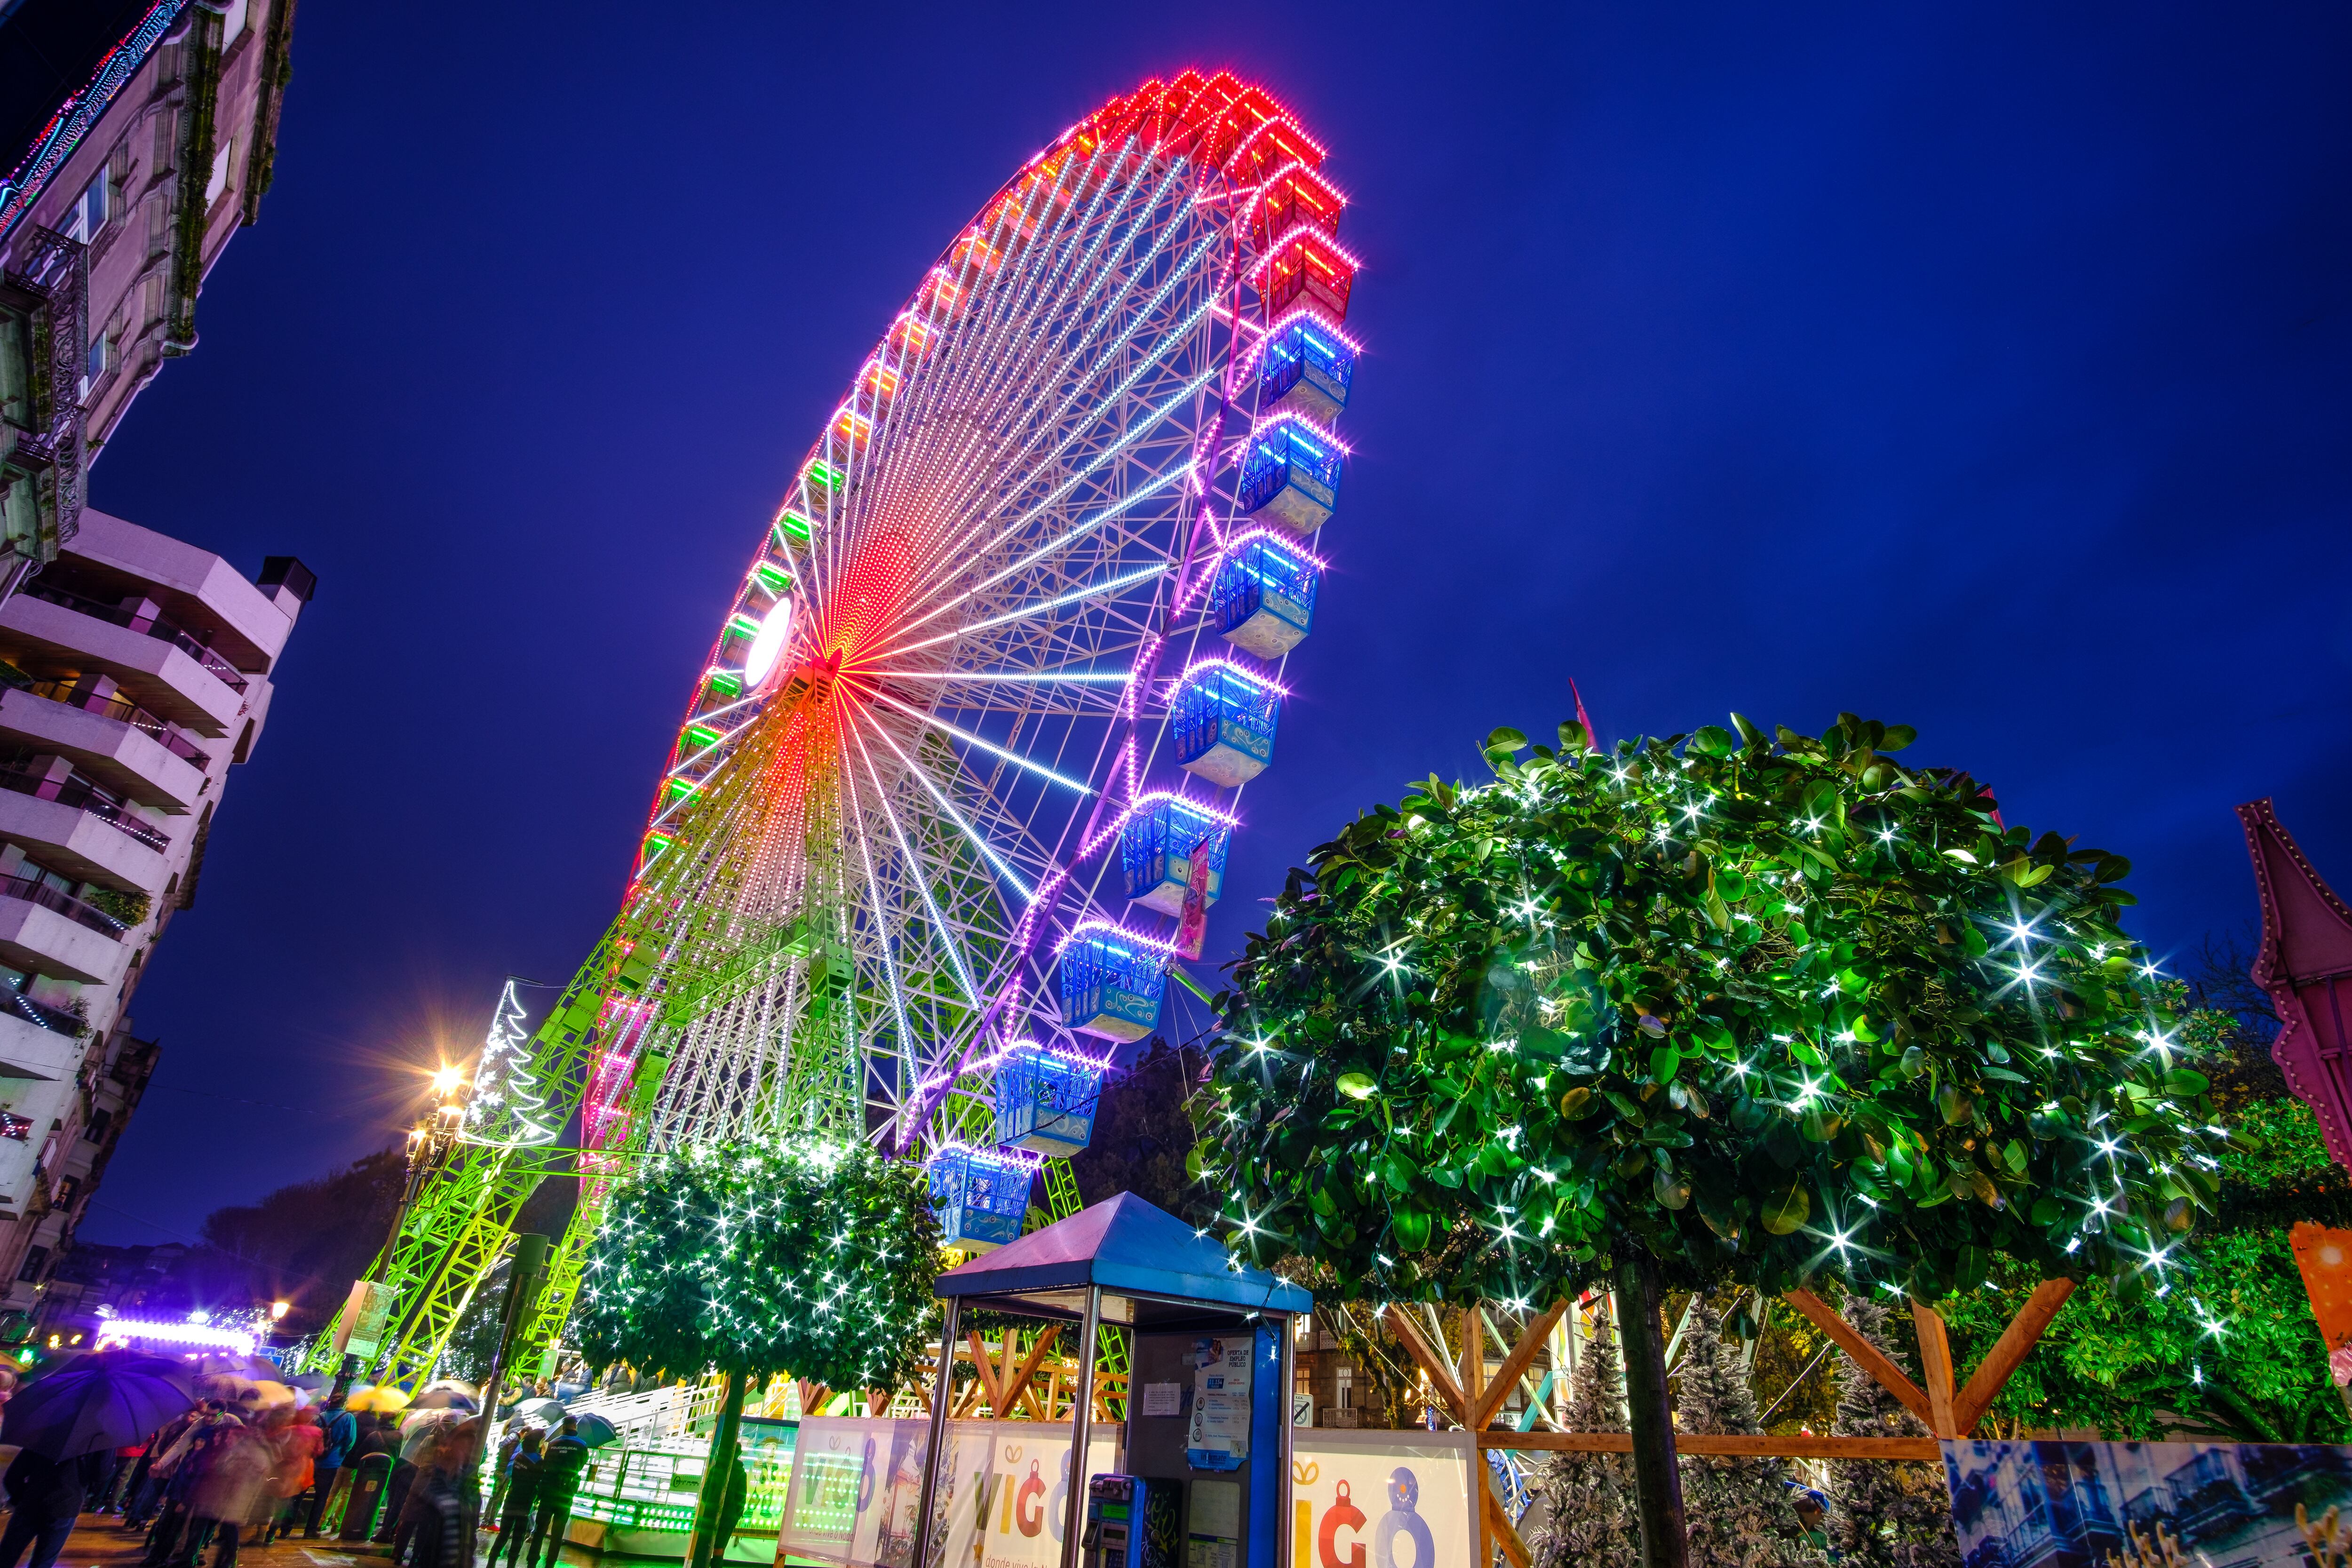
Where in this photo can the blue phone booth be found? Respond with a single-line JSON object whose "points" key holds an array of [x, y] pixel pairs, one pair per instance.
{"points": [[1224, 724], [1205, 1479], [981, 1196], [1162, 848], [1045, 1100], [1263, 601], [1291, 476], [1307, 368], [1111, 988]]}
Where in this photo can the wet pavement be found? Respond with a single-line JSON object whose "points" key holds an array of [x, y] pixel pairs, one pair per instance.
{"points": [[100, 1542]]}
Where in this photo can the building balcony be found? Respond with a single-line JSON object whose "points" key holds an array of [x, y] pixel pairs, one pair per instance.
{"points": [[78, 834], [46, 932], [116, 742], [53, 632], [51, 1050]]}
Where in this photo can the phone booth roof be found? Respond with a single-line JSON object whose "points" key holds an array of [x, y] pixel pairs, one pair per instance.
{"points": [[1130, 1249]]}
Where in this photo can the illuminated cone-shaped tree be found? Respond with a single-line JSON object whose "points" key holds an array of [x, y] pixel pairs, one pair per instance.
{"points": [[1588, 1519], [815, 1257], [1739, 1508], [1703, 1009], [1885, 1515]]}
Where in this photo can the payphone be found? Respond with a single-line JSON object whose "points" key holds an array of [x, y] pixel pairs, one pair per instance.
{"points": [[1131, 1522]]}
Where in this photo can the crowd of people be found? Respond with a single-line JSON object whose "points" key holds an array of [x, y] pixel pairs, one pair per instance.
{"points": [[234, 1472]]}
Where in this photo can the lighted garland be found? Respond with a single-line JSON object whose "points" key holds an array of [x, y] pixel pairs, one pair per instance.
{"points": [[1763, 1011], [815, 1257]]}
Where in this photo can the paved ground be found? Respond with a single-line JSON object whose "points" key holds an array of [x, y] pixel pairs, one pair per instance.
{"points": [[100, 1542]]}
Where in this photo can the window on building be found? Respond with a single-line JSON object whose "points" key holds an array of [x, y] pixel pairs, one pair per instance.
{"points": [[94, 1130], [92, 209], [1345, 1391], [233, 22], [98, 360], [34, 1261], [223, 161]]}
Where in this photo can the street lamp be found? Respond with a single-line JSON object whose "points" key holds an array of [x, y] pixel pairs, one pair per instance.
{"points": [[429, 1141]]}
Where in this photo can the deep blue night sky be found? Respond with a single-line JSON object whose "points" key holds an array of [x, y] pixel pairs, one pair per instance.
{"points": [[1980, 369]]}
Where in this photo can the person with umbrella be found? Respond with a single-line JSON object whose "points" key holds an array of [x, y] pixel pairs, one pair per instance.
{"points": [[559, 1483], [66, 1425], [519, 1489]]}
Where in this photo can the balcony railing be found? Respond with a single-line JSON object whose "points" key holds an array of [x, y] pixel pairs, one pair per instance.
{"points": [[74, 792], [57, 1020], [123, 711], [157, 626], [66, 904]]}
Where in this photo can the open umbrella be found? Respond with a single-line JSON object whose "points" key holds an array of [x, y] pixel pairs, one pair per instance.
{"points": [[250, 1367], [384, 1400], [438, 1398], [310, 1381], [436, 1416], [537, 1412], [451, 1385], [595, 1431], [105, 1401]]}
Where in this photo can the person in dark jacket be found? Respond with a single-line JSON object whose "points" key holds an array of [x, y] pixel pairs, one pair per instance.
{"points": [[340, 1434], [559, 1483], [46, 1495], [519, 1494]]}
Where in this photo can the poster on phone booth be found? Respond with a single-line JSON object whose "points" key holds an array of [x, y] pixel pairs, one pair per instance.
{"points": [[1379, 1500]]}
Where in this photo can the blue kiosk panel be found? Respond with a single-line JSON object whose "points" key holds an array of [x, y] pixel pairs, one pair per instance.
{"points": [[1161, 848], [1290, 477], [1264, 599], [1225, 726], [1111, 989], [1307, 369], [1045, 1100], [981, 1197]]}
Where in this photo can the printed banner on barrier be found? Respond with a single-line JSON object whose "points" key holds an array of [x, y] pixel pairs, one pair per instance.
{"points": [[2146, 1505], [1380, 1500], [1003, 1492]]}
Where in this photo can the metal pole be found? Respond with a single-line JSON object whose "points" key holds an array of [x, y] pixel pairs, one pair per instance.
{"points": [[1282, 1527], [920, 1556], [1081, 1428]]}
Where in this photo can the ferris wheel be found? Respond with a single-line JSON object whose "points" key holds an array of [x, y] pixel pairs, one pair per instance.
{"points": [[950, 802], [955, 786]]}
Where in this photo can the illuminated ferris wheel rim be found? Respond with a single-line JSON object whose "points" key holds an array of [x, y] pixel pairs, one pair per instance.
{"points": [[785, 639]]}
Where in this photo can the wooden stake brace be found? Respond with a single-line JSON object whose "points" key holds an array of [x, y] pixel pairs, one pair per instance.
{"points": [[1946, 1413]]}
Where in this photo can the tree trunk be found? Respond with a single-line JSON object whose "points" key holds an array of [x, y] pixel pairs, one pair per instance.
{"points": [[1657, 1482], [706, 1547]]}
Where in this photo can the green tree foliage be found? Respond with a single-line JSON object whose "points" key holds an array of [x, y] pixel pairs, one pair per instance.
{"points": [[2229, 1347], [1143, 1133], [303, 1243], [1885, 1515], [1758, 1010], [1588, 1519], [815, 1257], [1738, 1509]]}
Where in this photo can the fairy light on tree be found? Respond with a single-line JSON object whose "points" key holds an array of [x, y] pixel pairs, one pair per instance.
{"points": [[1770, 1020], [815, 1257]]}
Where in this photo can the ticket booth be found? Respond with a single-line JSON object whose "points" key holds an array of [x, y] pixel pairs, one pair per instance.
{"points": [[1199, 1470]]}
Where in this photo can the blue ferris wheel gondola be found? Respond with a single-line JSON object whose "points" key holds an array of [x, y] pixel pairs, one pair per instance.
{"points": [[1263, 601], [1224, 723], [1161, 846], [1307, 368], [1291, 475], [982, 1195], [1045, 1099], [1111, 984]]}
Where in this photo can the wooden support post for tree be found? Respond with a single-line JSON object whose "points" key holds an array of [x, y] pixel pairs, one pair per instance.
{"points": [[1944, 1414], [1935, 1367], [1657, 1480]]}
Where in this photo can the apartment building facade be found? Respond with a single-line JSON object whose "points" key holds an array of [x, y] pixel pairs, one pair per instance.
{"points": [[135, 672], [116, 207]]}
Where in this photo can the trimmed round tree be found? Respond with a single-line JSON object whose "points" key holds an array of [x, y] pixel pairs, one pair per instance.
{"points": [[815, 1257], [1727, 1006]]}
